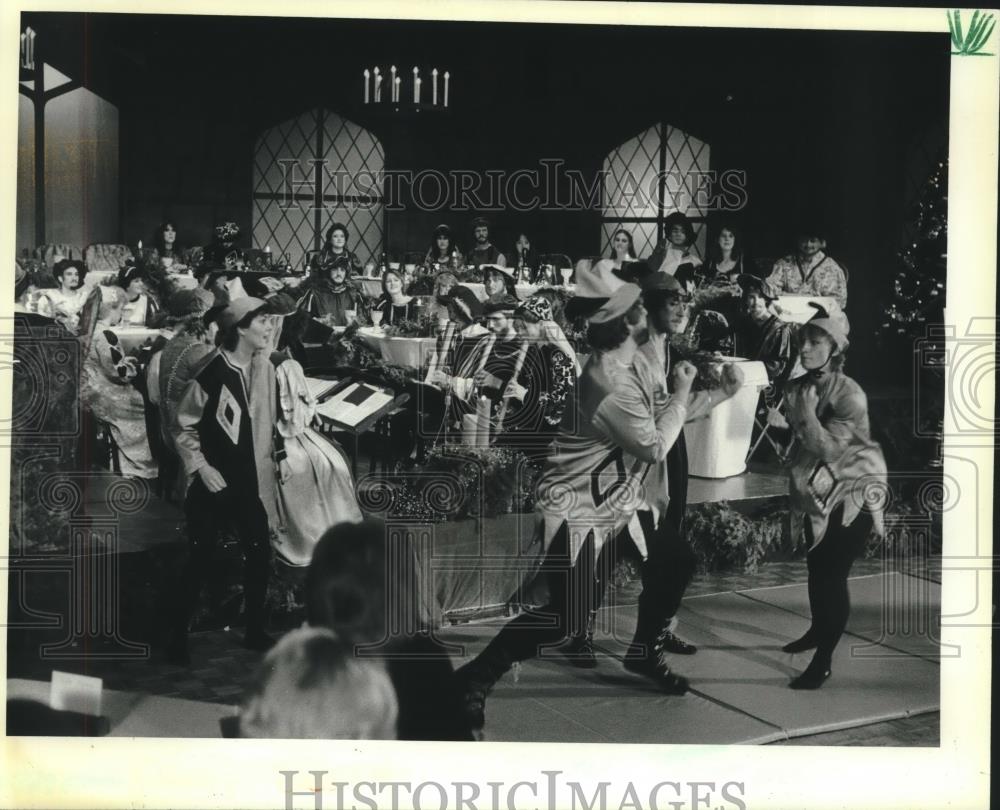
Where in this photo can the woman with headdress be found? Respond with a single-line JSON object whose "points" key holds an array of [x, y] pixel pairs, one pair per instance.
{"points": [[443, 252], [140, 305], [65, 302], [330, 294], [107, 388], [622, 248], [837, 480], [678, 248]]}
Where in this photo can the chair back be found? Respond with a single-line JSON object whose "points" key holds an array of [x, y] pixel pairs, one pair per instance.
{"points": [[106, 260], [50, 254]]}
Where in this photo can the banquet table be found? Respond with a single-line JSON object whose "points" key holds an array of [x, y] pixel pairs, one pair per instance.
{"points": [[796, 309], [717, 444], [132, 337], [410, 352], [372, 287]]}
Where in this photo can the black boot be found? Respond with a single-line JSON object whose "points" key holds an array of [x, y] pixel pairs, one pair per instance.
{"points": [[580, 647], [645, 657], [476, 680], [815, 674]]}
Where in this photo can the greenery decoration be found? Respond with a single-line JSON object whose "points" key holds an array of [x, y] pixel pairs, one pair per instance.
{"points": [[972, 42]]}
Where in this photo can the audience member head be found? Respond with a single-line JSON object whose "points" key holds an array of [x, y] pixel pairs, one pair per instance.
{"points": [[758, 296], [810, 239], [165, 238], [69, 274], [463, 305], [500, 316], [336, 238], [311, 685], [442, 243], [393, 283], [362, 583], [498, 281], [481, 231], [132, 278], [678, 229], [622, 247], [728, 239]]}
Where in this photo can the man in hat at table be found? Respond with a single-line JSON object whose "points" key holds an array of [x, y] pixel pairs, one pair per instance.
{"points": [[224, 432], [603, 465], [810, 271], [761, 335], [483, 251]]}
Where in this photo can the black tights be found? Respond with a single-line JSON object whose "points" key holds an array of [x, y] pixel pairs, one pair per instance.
{"points": [[571, 595], [207, 514], [829, 566]]}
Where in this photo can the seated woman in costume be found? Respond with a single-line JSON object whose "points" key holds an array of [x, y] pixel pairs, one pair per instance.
{"points": [[443, 252], [394, 306], [140, 304], [726, 257], [525, 259], [622, 248], [335, 250], [107, 387], [679, 247], [760, 334], [168, 251], [331, 296], [65, 302]]}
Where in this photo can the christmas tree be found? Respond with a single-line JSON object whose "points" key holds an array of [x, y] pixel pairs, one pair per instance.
{"points": [[919, 284]]}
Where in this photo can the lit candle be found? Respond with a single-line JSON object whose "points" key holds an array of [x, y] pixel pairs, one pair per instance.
{"points": [[267, 248], [418, 89], [378, 85], [367, 81], [140, 245], [416, 77], [392, 82], [396, 89], [447, 76], [434, 87]]}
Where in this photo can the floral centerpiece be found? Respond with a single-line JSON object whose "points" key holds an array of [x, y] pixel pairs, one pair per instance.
{"points": [[459, 482]]}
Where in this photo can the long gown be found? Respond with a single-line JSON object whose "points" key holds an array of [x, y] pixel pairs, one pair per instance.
{"points": [[315, 485]]}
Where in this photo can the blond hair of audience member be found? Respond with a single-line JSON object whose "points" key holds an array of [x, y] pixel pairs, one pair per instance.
{"points": [[311, 686]]}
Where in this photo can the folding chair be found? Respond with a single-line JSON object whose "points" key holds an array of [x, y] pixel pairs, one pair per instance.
{"points": [[761, 424]]}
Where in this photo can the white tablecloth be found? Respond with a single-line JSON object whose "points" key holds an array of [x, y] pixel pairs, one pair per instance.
{"points": [[796, 309], [401, 351], [132, 337], [717, 445]]}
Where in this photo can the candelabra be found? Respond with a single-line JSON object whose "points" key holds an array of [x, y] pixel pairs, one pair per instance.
{"points": [[385, 87]]}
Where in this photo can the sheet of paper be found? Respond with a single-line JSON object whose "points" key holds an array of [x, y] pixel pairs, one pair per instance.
{"points": [[76, 693]]}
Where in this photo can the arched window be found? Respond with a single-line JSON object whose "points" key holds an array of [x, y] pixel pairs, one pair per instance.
{"points": [[314, 170], [651, 176]]}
